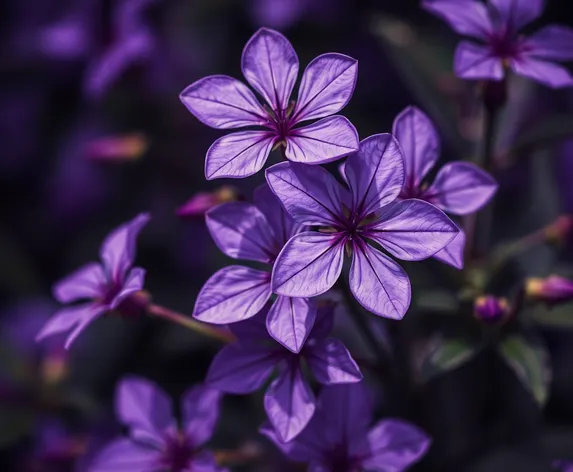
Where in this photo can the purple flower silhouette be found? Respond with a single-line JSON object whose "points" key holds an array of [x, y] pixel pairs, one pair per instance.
{"points": [[108, 285], [412, 230], [245, 366], [339, 439], [257, 233], [497, 24], [156, 442], [270, 66], [459, 188]]}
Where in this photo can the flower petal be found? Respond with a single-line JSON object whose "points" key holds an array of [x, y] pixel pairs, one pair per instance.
{"points": [[331, 363], [321, 142], [222, 102], [289, 403], [241, 231], [413, 230], [420, 144], [125, 455], [205, 461], [394, 446], [461, 188], [469, 17], [472, 61], [86, 282], [309, 265], [453, 253], [310, 194], [253, 329], [298, 450], [118, 249], [518, 13], [240, 368], [232, 294], [553, 42], [270, 65], [238, 155], [326, 87], [375, 173], [324, 320], [200, 412], [290, 321], [133, 283], [379, 284], [547, 73]]}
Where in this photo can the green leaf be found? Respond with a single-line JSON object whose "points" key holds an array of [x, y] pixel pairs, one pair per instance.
{"points": [[530, 362], [560, 316], [444, 356]]}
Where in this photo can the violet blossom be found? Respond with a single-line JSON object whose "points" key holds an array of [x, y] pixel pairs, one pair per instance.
{"points": [[156, 441], [357, 220], [246, 365], [109, 285], [339, 437], [270, 65], [496, 23], [459, 188], [253, 232]]}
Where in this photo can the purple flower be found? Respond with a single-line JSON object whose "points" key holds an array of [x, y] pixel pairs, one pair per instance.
{"points": [[497, 24], [245, 366], [459, 188], [257, 233], [490, 310], [108, 285], [359, 220], [156, 442], [339, 438], [270, 65], [201, 202], [563, 465], [551, 290]]}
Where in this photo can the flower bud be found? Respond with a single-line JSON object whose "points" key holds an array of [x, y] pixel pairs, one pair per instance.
{"points": [[122, 148], [551, 290], [199, 203], [490, 310], [558, 231]]}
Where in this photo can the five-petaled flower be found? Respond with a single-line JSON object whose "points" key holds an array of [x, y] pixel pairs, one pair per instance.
{"points": [[339, 437], [460, 188], [497, 24], [109, 285], [245, 366], [255, 232], [156, 441], [270, 65], [359, 220]]}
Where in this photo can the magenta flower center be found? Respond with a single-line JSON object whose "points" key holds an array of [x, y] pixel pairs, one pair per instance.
{"points": [[280, 121], [505, 45], [337, 460], [178, 452]]}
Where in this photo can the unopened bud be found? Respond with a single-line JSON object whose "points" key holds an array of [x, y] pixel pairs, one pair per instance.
{"points": [[199, 203], [122, 148], [558, 231], [491, 310], [551, 290]]}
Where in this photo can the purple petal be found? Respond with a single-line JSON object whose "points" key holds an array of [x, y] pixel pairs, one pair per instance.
{"points": [[547, 73], [321, 142], [552, 42], [86, 282], [145, 408], [240, 368], [310, 194], [461, 188], [469, 18], [297, 450], [379, 284], [204, 462], [270, 65], [238, 155], [125, 455], [118, 250], [476, 62], [290, 321], [289, 403], [518, 13], [375, 173], [453, 253], [324, 320], [200, 412], [331, 363], [232, 294], [252, 329], [133, 283], [326, 86], [308, 265], [420, 144], [394, 446], [241, 231], [413, 230], [222, 102]]}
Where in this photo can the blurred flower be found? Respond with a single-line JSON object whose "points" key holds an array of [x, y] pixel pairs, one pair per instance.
{"points": [[563, 465], [551, 290], [122, 148], [155, 441], [354, 220], [110, 285], [245, 366], [339, 438], [199, 203], [278, 14], [490, 310], [497, 24], [270, 65]]}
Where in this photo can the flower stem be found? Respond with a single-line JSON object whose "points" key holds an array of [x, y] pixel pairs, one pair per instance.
{"points": [[197, 326]]}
